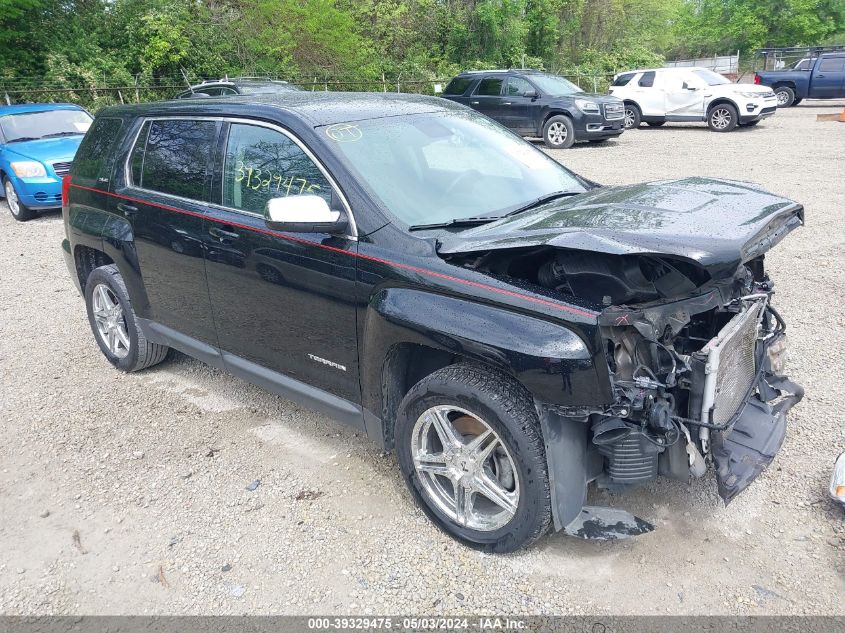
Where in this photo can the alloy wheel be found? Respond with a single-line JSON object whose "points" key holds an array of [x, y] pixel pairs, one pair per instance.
{"points": [[721, 118], [629, 118], [557, 133], [782, 97], [464, 468], [12, 199], [110, 321]]}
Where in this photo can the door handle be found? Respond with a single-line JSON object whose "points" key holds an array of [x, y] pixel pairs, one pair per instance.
{"points": [[127, 209], [222, 234], [820, 76], [507, 103], [473, 102]]}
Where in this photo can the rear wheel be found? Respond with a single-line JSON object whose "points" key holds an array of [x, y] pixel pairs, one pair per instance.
{"points": [[722, 117], [114, 323], [20, 212], [558, 132], [469, 445], [785, 96], [633, 116]]}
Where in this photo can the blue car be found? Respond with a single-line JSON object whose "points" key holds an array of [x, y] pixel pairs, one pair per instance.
{"points": [[37, 144]]}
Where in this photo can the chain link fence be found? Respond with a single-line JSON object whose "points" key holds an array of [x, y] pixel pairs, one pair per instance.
{"points": [[95, 95]]}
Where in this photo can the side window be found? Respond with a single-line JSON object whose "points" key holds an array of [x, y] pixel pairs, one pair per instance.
{"points": [[228, 91], [457, 86], [622, 80], [647, 80], [831, 65], [94, 155], [172, 157], [211, 92], [517, 87], [489, 87], [261, 164]]}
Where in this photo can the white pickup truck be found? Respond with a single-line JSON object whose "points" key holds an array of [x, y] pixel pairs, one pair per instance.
{"points": [[658, 95]]}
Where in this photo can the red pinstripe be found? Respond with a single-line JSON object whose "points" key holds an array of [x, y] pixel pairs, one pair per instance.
{"points": [[291, 238]]}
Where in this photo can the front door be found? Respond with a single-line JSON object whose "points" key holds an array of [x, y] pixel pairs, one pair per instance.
{"points": [[684, 96], [520, 112], [828, 80], [284, 302], [165, 201]]}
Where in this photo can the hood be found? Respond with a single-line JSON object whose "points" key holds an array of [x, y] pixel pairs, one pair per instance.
{"points": [[718, 224], [592, 96], [48, 150], [755, 88]]}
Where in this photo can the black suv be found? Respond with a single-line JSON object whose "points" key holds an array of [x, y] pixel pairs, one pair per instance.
{"points": [[414, 270], [532, 103], [236, 86]]}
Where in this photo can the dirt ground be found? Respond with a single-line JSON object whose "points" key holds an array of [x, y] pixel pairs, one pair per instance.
{"points": [[128, 494]]}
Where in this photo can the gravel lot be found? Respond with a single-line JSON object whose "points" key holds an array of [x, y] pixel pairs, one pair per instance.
{"points": [[128, 494]]}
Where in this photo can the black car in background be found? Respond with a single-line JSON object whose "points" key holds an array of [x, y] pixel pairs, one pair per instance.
{"points": [[533, 103], [416, 271], [236, 86]]}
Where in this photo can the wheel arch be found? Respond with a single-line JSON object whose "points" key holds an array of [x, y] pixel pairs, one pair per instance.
{"points": [[722, 101], [555, 111], [401, 345]]}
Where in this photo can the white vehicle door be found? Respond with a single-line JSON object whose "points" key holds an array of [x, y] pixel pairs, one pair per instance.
{"points": [[645, 89], [685, 96]]}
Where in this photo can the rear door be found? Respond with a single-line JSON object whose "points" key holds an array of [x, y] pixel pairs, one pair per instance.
{"points": [[647, 91], [828, 80], [283, 302], [164, 196], [487, 96], [519, 112]]}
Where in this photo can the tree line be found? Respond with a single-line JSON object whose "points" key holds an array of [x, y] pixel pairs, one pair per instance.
{"points": [[77, 43]]}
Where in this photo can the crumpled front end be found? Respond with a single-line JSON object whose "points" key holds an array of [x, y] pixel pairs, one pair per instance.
{"points": [[699, 382]]}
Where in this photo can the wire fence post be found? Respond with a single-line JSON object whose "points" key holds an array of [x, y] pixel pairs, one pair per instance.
{"points": [[595, 88], [383, 83], [8, 101]]}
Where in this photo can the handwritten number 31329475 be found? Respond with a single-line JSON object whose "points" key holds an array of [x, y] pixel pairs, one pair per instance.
{"points": [[258, 179]]}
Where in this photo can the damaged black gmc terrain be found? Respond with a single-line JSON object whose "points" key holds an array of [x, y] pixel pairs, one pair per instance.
{"points": [[411, 268]]}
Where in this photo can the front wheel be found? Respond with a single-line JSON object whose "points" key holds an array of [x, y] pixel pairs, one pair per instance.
{"points": [[785, 96], [470, 448], [114, 323], [558, 132], [722, 117], [633, 116], [20, 212]]}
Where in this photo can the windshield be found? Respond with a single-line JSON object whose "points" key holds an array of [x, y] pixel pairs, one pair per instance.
{"points": [[45, 124], [435, 168], [555, 86], [710, 78]]}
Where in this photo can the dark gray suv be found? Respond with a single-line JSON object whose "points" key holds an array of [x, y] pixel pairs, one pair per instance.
{"points": [[533, 103]]}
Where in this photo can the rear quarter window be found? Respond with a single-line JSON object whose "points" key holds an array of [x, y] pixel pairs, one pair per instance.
{"points": [[95, 156], [457, 86]]}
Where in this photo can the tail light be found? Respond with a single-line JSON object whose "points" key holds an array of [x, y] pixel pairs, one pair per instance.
{"points": [[756, 78], [65, 189]]}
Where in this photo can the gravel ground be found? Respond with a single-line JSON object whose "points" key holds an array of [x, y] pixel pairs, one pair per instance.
{"points": [[130, 494]]}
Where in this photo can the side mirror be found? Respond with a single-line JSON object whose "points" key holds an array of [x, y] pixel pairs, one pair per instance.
{"points": [[531, 94], [686, 86], [303, 214]]}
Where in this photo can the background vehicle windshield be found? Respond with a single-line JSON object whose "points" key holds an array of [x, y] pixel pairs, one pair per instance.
{"points": [[45, 124], [555, 86], [433, 168], [710, 78]]}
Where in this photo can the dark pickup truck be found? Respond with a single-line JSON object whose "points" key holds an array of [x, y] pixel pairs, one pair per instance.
{"points": [[821, 78]]}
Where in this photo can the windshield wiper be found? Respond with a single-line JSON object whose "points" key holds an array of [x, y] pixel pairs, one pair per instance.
{"points": [[455, 222], [22, 139], [541, 201], [57, 134]]}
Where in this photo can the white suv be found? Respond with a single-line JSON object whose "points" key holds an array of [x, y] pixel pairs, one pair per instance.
{"points": [[691, 94]]}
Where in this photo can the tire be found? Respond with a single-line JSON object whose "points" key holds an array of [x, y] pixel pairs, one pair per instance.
{"points": [[476, 398], [633, 116], [797, 101], [20, 212], [785, 96], [129, 349], [655, 123], [558, 132], [722, 117]]}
